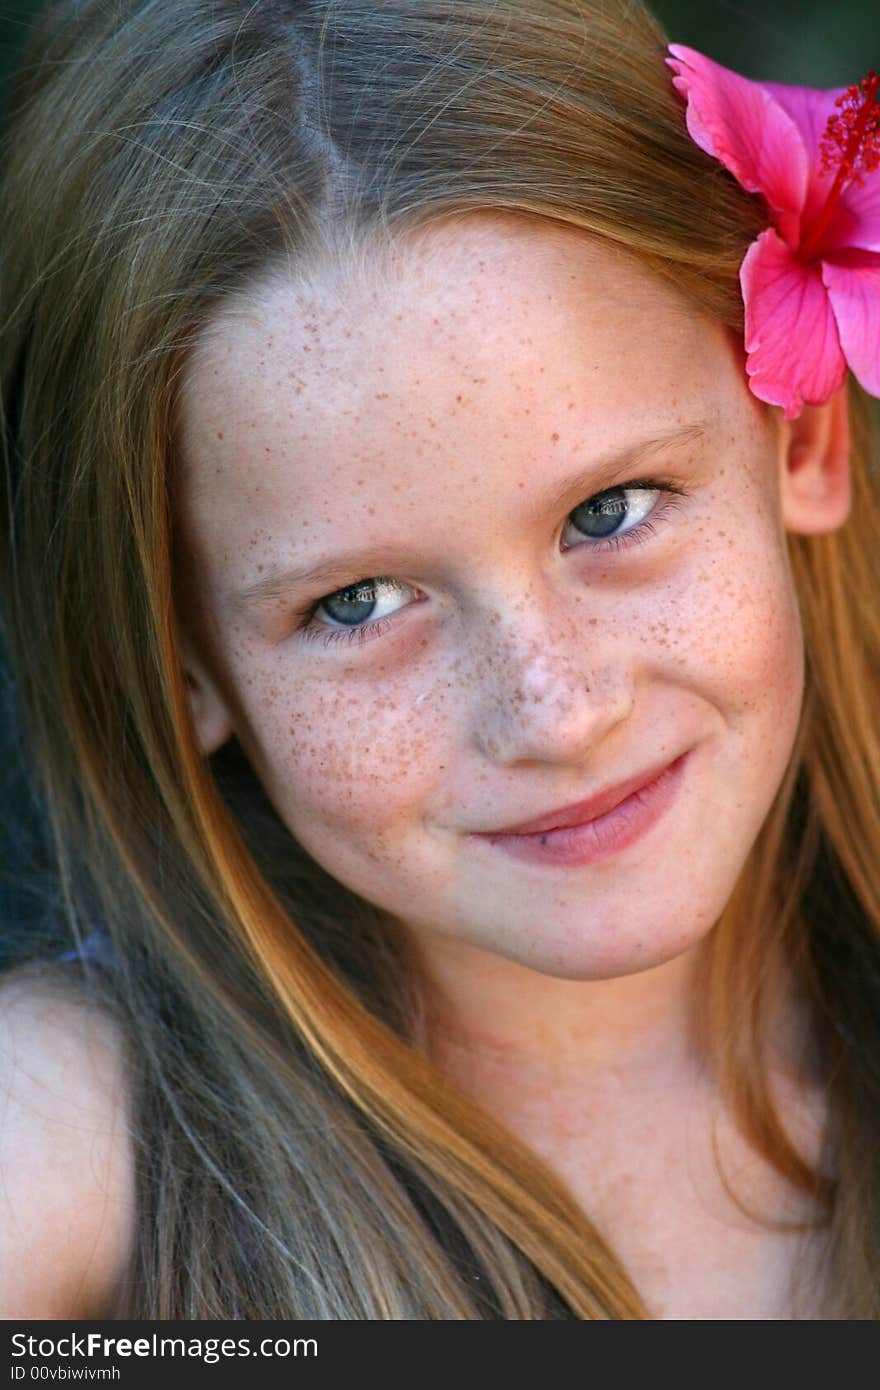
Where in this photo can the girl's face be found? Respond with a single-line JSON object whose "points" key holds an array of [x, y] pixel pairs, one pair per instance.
{"points": [[478, 534]]}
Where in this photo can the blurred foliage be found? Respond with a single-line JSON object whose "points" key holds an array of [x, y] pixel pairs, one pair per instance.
{"points": [[15, 17], [811, 43]]}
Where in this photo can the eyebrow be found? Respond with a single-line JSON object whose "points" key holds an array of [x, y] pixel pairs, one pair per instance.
{"points": [[280, 582]]}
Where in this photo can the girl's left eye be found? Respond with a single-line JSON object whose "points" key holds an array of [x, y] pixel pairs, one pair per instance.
{"points": [[601, 520]]}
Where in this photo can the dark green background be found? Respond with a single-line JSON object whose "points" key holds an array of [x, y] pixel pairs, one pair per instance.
{"points": [[817, 43]]}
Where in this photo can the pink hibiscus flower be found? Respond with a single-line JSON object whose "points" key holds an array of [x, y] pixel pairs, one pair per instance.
{"points": [[811, 281]]}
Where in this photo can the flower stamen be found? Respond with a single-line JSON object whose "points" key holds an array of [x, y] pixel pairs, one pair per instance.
{"points": [[851, 143]]}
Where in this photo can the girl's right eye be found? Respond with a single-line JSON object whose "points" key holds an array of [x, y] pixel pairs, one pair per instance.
{"points": [[356, 604]]}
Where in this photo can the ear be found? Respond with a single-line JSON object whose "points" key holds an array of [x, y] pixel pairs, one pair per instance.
{"points": [[814, 467], [210, 714]]}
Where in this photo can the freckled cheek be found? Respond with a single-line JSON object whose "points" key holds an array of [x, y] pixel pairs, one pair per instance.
{"points": [[350, 758], [743, 626]]}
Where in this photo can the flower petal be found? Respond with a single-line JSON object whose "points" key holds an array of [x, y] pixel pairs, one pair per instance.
{"points": [[854, 290], [809, 108], [857, 218], [740, 123], [791, 333]]}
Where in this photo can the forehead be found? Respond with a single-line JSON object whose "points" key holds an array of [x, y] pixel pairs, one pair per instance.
{"points": [[468, 284], [470, 355]]}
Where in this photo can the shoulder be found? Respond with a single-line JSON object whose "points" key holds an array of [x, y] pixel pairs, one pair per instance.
{"points": [[66, 1157]]}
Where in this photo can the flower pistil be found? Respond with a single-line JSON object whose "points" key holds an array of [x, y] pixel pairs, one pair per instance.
{"points": [[851, 143]]}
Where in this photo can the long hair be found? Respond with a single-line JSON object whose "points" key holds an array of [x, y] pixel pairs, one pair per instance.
{"points": [[298, 1155]]}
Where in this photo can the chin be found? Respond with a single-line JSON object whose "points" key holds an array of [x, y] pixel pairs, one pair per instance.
{"points": [[613, 963]]}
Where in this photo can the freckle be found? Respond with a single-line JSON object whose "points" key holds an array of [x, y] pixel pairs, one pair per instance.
{"points": [[554, 438], [219, 434]]}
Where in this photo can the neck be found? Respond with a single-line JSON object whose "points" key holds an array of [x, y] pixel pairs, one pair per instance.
{"points": [[605, 1081], [502, 1030], [487, 1015]]}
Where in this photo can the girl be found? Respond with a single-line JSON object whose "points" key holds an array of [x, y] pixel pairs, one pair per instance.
{"points": [[443, 621]]}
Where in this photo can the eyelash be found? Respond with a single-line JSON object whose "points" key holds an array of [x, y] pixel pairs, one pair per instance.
{"points": [[672, 497]]}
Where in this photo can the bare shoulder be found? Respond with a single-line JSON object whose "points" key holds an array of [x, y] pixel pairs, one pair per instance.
{"points": [[66, 1157]]}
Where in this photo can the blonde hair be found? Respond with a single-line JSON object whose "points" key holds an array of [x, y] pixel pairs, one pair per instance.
{"points": [[299, 1156]]}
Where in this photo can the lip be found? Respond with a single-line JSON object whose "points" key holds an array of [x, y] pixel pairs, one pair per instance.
{"points": [[599, 837], [582, 812]]}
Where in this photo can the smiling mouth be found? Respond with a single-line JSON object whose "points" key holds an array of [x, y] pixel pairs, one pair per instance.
{"points": [[594, 837], [590, 809]]}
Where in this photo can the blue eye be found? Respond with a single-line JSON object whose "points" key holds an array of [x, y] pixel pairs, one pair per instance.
{"points": [[608, 520], [354, 605], [617, 515]]}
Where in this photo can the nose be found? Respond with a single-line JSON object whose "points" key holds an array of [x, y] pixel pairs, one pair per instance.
{"points": [[544, 690]]}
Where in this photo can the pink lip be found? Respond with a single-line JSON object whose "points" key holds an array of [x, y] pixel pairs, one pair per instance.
{"points": [[580, 812], [597, 828]]}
